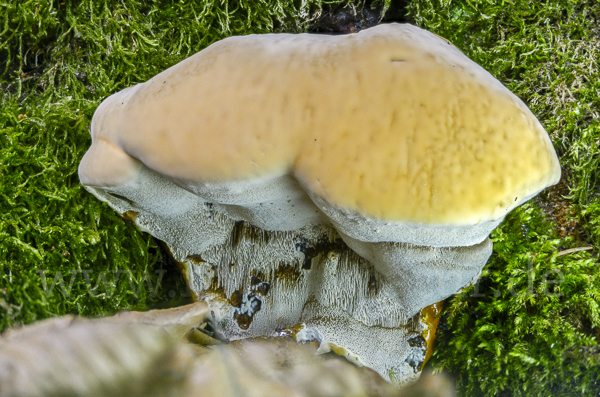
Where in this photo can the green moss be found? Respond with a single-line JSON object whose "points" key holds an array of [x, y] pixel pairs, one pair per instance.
{"points": [[531, 326]]}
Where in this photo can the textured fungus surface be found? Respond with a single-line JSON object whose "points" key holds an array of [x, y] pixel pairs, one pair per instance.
{"points": [[436, 126], [261, 159]]}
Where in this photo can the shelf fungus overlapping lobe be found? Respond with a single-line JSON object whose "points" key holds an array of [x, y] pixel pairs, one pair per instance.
{"points": [[334, 185]]}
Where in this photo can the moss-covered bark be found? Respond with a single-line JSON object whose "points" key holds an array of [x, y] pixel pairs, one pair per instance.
{"points": [[531, 325]]}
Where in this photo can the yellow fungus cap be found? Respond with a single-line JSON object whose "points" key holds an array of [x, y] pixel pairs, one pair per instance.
{"points": [[393, 123]]}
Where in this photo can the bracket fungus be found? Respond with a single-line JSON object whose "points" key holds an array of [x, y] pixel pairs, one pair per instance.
{"points": [[328, 187]]}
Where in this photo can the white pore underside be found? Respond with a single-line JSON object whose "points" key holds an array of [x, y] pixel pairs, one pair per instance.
{"points": [[365, 307]]}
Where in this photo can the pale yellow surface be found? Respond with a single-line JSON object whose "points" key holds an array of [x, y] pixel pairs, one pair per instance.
{"points": [[392, 122]]}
